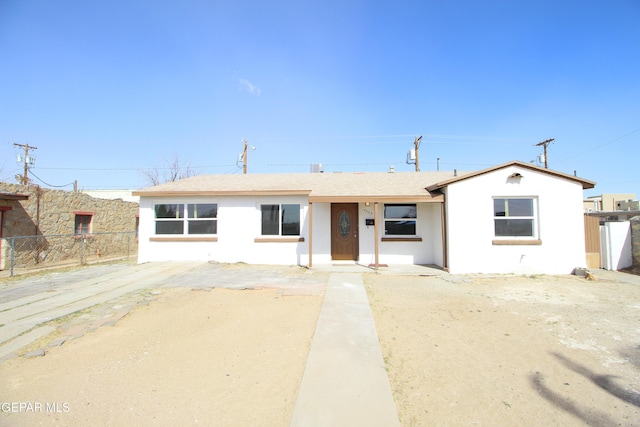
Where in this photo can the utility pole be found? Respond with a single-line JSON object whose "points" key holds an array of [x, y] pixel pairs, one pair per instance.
{"points": [[26, 160], [544, 145], [416, 146], [244, 156], [245, 153]]}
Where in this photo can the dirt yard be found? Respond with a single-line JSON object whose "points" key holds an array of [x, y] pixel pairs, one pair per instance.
{"points": [[460, 350], [219, 357], [508, 351]]}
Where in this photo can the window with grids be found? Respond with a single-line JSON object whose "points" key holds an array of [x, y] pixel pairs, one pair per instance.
{"points": [[514, 217], [400, 220], [280, 220], [186, 218]]}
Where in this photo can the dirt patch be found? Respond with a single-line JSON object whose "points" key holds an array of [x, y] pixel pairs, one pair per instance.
{"points": [[510, 350], [219, 357]]}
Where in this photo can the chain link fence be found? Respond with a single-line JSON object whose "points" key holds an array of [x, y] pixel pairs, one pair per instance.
{"points": [[19, 255]]}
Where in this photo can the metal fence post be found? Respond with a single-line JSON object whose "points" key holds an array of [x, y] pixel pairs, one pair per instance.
{"points": [[12, 258], [81, 250]]}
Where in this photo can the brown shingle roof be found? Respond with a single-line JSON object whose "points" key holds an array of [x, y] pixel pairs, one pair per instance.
{"points": [[334, 187], [364, 186]]}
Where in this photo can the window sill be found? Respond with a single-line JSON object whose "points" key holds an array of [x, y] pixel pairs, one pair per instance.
{"points": [[402, 239], [278, 239], [183, 239], [533, 242]]}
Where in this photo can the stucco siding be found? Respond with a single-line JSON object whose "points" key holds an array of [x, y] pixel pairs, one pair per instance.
{"points": [[427, 251], [239, 225], [559, 222], [239, 222]]}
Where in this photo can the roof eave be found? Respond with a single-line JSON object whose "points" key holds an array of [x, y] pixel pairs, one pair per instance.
{"points": [[177, 193], [377, 199], [586, 184]]}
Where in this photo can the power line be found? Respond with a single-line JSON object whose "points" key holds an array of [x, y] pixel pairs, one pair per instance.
{"points": [[134, 169], [51, 185], [602, 145], [401, 139]]}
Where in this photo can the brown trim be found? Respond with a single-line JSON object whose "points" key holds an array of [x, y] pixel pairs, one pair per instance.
{"points": [[586, 184], [516, 242], [5, 208], [175, 193], [278, 239], [183, 239], [375, 199], [376, 233], [402, 239], [445, 249], [84, 213]]}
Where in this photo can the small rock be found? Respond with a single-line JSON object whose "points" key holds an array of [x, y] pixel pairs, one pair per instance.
{"points": [[35, 353], [57, 343]]}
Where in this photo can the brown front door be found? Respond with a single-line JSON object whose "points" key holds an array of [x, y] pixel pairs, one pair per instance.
{"points": [[344, 231]]}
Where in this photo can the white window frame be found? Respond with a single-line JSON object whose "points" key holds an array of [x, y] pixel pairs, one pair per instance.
{"points": [[385, 219], [280, 223], [533, 218], [182, 215]]}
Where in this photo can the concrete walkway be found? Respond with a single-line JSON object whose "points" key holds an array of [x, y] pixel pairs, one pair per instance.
{"points": [[345, 382], [25, 309]]}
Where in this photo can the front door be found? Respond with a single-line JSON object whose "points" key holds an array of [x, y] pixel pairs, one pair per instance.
{"points": [[344, 231]]}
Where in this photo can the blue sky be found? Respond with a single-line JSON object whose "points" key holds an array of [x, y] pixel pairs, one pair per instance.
{"points": [[106, 88]]}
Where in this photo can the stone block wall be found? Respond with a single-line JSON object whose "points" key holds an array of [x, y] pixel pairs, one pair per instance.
{"points": [[50, 214]]}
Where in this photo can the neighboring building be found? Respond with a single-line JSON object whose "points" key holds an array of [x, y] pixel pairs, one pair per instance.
{"points": [[31, 210], [34, 211], [511, 218], [612, 207], [125, 195], [607, 202]]}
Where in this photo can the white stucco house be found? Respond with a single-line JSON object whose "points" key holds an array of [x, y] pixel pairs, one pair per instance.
{"points": [[511, 218]]}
